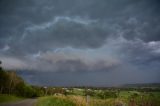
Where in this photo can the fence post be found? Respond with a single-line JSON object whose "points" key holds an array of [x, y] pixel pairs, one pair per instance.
{"points": [[87, 100]]}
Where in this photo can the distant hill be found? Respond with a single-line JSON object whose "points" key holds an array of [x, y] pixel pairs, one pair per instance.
{"points": [[142, 85]]}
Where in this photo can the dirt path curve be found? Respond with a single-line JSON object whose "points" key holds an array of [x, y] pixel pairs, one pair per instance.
{"points": [[27, 102]]}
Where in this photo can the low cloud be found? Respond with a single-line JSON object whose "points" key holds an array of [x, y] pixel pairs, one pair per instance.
{"points": [[111, 40]]}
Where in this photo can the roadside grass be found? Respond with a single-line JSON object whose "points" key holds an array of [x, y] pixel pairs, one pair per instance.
{"points": [[141, 98], [75, 100], [124, 99], [81, 101], [53, 101], [9, 98]]}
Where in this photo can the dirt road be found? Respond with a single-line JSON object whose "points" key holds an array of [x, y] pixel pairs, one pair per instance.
{"points": [[28, 102]]}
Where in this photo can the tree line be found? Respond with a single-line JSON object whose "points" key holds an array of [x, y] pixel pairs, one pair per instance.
{"points": [[12, 84]]}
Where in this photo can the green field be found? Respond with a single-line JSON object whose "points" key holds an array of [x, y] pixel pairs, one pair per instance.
{"points": [[9, 98], [53, 101], [79, 98], [127, 98]]}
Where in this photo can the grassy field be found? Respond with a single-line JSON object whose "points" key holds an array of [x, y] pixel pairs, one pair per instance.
{"points": [[9, 98], [77, 91], [54, 101], [73, 100], [125, 98], [98, 98]]}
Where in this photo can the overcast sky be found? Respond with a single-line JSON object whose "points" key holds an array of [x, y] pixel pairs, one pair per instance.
{"points": [[81, 42]]}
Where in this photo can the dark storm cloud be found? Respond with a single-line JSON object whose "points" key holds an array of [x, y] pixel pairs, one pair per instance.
{"points": [[78, 65], [95, 78], [82, 36], [16, 16], [64, 31], [139, 53]]}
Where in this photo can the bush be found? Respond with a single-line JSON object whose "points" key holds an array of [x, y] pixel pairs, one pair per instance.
{"points": [[25, 90], [89, 92], [107, 94]]}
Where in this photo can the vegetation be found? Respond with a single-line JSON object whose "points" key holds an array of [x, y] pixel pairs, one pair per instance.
{"points": [[54, 101], [12, 84], [9, 98], [13, 88]]}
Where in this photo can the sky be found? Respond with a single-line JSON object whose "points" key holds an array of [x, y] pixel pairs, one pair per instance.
{"points": [[81, 42]]}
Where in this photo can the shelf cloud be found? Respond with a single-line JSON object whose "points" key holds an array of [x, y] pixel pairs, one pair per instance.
{"points": [[104, 42]]}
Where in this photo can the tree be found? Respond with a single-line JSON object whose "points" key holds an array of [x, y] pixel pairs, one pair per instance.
{"points": [[107, 94], [11, 83], [3, 81], [25, 90], [89, 92], [13, 80], [0, 65]]}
